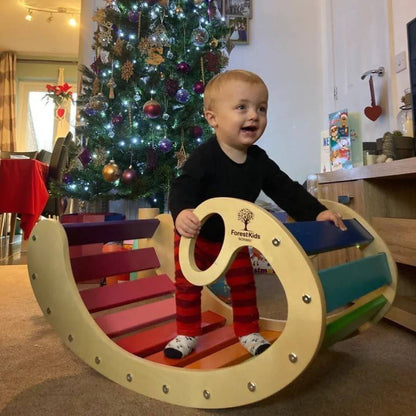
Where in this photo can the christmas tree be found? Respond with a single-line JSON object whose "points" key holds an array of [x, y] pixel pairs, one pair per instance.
{"points": [[140, 107]]}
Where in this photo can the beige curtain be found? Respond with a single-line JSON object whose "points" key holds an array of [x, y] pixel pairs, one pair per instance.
{"points": [[8, 101]]}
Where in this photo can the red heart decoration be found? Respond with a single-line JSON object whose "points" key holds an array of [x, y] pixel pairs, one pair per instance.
{"points": [[373, 112], [60, 112]]}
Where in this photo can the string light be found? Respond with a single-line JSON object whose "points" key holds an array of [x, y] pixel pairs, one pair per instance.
{"points": [[59, 10]]}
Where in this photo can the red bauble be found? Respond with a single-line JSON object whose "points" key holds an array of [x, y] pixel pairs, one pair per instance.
{"points": [[129, 175], [199, 87], [196, 132], [152, 109]]}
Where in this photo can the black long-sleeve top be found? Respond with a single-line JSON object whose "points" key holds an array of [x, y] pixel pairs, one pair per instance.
{"points": [[210, 173]]}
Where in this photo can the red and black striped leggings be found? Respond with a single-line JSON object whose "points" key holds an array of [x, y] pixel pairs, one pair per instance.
{"points": [[240, 279]]}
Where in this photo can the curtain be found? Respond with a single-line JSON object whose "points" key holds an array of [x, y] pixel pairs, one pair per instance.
{"points": [[8, 101]]}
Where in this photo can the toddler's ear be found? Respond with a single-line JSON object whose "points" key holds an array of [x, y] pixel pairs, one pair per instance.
{"points": [[210, 117]]}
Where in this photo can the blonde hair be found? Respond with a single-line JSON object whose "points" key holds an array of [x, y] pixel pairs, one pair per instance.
{"points": [[213, 88]]}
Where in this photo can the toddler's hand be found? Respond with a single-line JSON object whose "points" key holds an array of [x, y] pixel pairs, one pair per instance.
{"points": [[331, 216], [187, 223]]}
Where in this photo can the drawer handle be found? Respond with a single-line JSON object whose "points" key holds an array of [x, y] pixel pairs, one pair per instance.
{"points": [[344, 199]]}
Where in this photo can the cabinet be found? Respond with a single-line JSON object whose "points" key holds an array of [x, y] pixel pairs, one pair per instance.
{"points": [[385, 195]]}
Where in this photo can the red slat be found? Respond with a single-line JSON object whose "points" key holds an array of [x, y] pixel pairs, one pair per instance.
{"points": [[119, 323], [154, 340], [103, 232], [106, 297], [207, 344], [109, 264]]}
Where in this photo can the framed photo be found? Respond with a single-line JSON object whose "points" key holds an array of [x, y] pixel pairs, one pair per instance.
{"points": [[238, 27], [238, 8]]}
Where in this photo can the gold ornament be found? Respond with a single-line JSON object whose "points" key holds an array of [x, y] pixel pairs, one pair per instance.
{"points": [[155, 56], [181, 156], [197, 2], [118, 47], [95, 86], [99, 16], [111, 172], [214, 43], [127, 70]]}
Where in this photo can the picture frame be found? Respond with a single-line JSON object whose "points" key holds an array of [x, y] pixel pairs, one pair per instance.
{"points": [[239, 29], [242, 8]]}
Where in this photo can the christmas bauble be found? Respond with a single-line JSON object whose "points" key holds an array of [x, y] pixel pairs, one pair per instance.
{"points": [[133, 16], [111, 172], [129, 175], [199, 87], [117, 119], [98, 102], [183, 67], [152, 108], [182, 96], [199, 36], [196, 132], [165, 145]]}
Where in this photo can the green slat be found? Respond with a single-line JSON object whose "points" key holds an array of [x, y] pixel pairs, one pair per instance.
{"points": [[349, 281], [346, 325]]}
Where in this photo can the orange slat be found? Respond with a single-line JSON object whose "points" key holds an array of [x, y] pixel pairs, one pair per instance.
{"points": [[154, 339], [207, 344], [106, 297], [118, 323], [234, 354]]}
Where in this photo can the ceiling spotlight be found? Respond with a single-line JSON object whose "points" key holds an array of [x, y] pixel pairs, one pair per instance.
{"points": [[50, 18], [29, 15], [72, 21]]}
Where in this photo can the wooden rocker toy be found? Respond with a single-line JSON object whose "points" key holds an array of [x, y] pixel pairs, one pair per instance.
{"points": [[120, 330]]}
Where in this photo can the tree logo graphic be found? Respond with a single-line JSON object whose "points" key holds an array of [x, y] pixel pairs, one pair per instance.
{"points": [[245, 216]]}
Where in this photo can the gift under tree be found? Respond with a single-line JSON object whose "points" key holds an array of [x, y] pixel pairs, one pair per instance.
{"points": [[140, 106]]}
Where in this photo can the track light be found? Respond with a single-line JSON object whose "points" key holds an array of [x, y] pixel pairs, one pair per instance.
{"points": [[29, 15], [58, 10]]}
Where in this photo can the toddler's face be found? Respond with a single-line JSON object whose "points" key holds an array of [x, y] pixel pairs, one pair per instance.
{"points": [[239, 113]]}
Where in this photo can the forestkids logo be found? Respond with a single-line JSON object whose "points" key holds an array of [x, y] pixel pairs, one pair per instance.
{"points": [[245, 216]]}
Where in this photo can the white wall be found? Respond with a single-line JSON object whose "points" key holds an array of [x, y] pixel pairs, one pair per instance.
{"points": [[403, 11], [285, 50]]}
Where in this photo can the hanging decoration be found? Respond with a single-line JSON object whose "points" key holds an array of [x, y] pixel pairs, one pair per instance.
{"points": [[111, 172]]}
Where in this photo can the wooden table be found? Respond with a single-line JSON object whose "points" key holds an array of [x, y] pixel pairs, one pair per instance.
{"points": [[23, 190]]}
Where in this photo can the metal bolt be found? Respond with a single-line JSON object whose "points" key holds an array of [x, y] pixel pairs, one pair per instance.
{"points": [[165, 389], [276, 242], [307, 298], [34, 237], [129, 378], [97, 360], [207, 394], [293, 358], [34, 276], [70, 338], [48, 311], [251, 386]]}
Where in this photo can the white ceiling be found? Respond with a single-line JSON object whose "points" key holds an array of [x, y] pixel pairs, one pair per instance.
{"points": [[38, 38]]}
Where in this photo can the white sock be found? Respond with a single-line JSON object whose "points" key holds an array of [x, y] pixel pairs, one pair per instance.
{"points": [[254, 343], [180, 347]]}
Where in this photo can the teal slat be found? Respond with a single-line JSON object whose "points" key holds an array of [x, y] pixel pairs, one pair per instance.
{"points": [[347, 282]]}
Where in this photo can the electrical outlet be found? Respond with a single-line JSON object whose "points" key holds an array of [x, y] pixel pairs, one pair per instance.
{"points": [[400, 61]]}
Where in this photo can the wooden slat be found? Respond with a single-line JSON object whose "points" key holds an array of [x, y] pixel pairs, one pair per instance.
{"points": [[207, 344], [347, 282], [108, 264], [106, 297], [231, 355], [348, 324], [153, 340], [105, 231], [119, 323], [321, 236]]}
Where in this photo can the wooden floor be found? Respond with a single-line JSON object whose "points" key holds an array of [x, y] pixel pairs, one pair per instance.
{"points": [[12, 253]]}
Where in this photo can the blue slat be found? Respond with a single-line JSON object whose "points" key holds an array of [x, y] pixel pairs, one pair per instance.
{"points": [[320, 236], [347, 282]]}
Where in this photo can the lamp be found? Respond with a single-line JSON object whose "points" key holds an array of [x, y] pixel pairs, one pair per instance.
{"points": [[28, 17]]}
